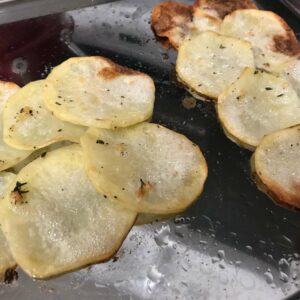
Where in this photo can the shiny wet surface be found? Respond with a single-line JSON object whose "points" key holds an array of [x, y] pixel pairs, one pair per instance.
{"points": [[233, 243]]}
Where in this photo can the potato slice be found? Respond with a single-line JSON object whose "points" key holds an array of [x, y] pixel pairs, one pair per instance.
{"points": [[273, 41], [94, 91], [291, 71], [147, 167], [28, 125], [9, 156], [40, 152], [209, 63], [276, 166], [220, 8], [6, 259], [178, 21], [54, 219], [171, 20], [257, 104]]}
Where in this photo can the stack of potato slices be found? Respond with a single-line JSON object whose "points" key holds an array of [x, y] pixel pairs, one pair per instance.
{"points": [[247, 61], [74, 205]]}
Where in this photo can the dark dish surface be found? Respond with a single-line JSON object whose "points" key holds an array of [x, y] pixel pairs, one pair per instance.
{"points": [[233, 243]]}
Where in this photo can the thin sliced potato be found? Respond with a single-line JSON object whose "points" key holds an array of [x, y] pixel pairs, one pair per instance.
{"points": [[54, 219], [203, 22], [209, 63], [291, 71], [40, 152], [6, 259], [220, 8], [94, 91], [28, 125], [9, 156], [178, 21], [276, 166], [172, 20], [147, 167], [257, 104], [273, 41]]}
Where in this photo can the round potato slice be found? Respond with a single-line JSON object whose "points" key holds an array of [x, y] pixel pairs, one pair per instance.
{"points": [[6, 259], [28, 125], [94, 91], [220, 8], [54, 219], [209, 63], [273, 41], [291, 71], [9, 156], [276, 166], [257, 104], [178, 21], [146, 167]]}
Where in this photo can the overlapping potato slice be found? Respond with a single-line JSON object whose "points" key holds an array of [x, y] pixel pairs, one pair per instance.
{"points": [[273, 41], [55, 220], [178, 21], [257, 104], [9, 156], [28, 125], [172, 20], [147, 167], [94, 91], [209, 63], [276, 166], [40, 152], [220, 8], [291, 71], [6, 259]]}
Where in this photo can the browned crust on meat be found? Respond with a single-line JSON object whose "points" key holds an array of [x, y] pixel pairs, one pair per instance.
{"points": [[224, 7], [168, 15], [278, 195], [288, 43], [115, 70]]}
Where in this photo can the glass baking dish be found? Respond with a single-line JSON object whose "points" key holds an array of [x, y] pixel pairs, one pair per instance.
{"points": [[233, 243]]}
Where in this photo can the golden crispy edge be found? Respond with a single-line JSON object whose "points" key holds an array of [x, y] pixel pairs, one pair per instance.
{"points": [[271, 189], [287, 44], [115, 70], [222, 7], [163, 19]]}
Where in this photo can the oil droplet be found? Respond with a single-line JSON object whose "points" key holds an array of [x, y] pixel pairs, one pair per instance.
{"points": [[19, 66], [248, 247], [215, 259], [154, 274], [287, 240], [294, 276], [283, 276], [179, 220], [269, 277], [221, 254], [284, 265], [222, 265], [153, 278], [162, 236]]}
